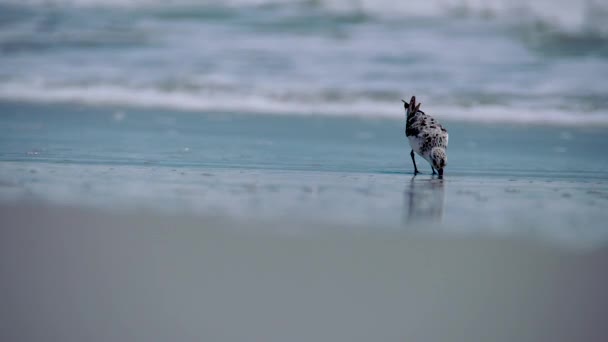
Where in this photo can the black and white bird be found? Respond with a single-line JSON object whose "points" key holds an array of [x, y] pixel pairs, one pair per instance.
{"points": [[426, 136]]}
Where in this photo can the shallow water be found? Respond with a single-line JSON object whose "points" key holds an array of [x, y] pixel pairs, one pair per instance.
{"points": [[544, 184]]}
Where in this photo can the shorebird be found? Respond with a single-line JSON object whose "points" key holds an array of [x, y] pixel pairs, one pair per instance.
{"points": [[426, 136]]}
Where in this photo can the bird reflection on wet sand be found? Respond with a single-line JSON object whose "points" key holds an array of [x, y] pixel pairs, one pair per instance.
{"points": [[423, 200]]}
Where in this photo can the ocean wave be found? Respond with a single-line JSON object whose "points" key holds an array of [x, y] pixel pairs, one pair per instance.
{"points": [[589, 16], [487, 60], [549, 27], [355, 105]]}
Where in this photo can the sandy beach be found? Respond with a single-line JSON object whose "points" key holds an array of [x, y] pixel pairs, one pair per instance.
{"points": [[71, 274], [299, 234]]}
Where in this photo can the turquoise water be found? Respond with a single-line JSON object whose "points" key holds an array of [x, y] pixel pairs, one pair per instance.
{"points": [[284, 173], [161, 138]]}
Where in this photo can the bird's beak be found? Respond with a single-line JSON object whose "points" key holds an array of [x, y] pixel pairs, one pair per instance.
{"points": [[440, 172]]}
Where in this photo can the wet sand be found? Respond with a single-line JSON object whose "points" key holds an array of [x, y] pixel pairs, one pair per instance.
{"points": [[73, 274], [567, 210], [300, 256]]}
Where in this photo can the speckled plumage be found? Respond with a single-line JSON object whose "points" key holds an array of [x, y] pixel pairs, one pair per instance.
{"points": [[427, 137]]}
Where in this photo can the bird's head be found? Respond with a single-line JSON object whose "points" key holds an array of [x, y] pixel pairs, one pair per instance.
{"points": [[439, 159]]}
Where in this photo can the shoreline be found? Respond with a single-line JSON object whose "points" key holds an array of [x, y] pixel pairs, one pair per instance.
{"points": [[567, 212]]}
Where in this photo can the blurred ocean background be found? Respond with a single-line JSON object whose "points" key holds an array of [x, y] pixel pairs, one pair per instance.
{"points": [[490, 60]]}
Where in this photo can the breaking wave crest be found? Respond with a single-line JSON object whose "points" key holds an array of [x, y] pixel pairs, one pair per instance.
{"points": [[387, 106]]}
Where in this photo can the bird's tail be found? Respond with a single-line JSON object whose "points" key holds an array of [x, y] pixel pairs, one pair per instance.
{"points": [[411, 108]]}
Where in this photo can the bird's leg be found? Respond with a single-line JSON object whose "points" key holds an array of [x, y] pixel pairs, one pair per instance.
{"points": [[433, 170], [414, 161]]}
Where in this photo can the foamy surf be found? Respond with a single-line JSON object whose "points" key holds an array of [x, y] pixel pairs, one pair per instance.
{"points": [[489, 61], [257, 104]]}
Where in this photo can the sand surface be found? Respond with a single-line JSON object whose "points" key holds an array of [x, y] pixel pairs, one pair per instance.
{"points": [[77, 274]]}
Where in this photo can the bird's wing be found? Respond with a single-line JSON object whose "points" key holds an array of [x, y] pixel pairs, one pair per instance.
{"points": [[416, 124]]}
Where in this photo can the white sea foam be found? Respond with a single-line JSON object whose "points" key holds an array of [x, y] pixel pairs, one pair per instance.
{"points": [[490, 60], [260, 104]]}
